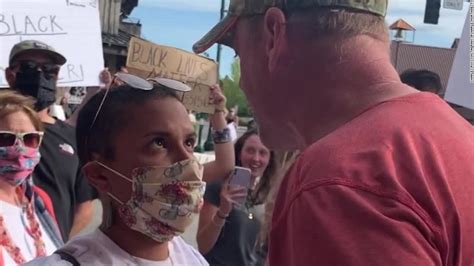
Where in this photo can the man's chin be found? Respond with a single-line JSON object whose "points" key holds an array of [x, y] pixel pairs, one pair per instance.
{"points": [[274, 140]]}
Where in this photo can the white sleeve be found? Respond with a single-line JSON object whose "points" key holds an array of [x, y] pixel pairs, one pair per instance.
{"points": [[202, 261], [53, 260]]}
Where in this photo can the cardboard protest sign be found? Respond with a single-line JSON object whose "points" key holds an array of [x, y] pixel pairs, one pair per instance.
{"points": [[72, 27], [149, 60], [460, 90]]}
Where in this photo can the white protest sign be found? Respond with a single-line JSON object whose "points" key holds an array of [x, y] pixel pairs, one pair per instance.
{"points": [[72, 27], [453, 4], [460, 90]]}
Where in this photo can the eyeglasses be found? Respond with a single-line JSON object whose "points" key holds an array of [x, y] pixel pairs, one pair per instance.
{"points": [[29, 139], [33, 66], [140, 84], [30, 65]]}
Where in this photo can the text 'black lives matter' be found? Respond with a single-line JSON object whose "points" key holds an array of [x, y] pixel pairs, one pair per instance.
{"points": [[152, 56]]}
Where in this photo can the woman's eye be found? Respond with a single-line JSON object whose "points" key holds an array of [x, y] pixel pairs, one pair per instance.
{"points": [[190, 142], [159, 142], [250, 150]]}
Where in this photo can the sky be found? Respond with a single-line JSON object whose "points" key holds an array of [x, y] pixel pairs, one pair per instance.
{"points": [[179, 23]]}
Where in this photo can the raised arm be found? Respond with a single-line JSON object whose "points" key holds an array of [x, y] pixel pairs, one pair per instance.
{"points": [[223, 146]]}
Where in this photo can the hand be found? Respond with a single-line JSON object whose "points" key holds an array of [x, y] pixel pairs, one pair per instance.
{"points": [[230, 195], [217, 98], [105, 77]]}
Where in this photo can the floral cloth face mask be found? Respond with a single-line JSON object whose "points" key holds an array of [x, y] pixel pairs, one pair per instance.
{"points": [[165, 200], [17, 162]]}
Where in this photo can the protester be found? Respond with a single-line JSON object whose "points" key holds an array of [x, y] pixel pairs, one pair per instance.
{"points": [[33, 71], [423, 80], [150, 183], [385, 173], [73, 99], [232, 117], [283, 162], [231, 125], [252, 124], [227, 235], [27, 225]]}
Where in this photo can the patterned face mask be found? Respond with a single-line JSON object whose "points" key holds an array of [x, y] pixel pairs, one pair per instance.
{"points": [[17, 163], [164, 201]]}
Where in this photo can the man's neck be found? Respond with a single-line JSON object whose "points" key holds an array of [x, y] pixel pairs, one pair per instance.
{"points": [[137, 244], [45, 117], [359, 76]]}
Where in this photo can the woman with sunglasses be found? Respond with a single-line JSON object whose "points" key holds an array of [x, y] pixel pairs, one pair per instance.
{"points": [[136, 143], [27, 225]]}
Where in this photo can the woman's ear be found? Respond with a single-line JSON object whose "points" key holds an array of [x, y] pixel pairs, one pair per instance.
{"points": [[94, 174], [275, 36]]}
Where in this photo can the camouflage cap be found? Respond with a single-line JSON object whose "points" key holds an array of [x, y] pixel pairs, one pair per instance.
{"points": [[239, 8], [32, 45]]}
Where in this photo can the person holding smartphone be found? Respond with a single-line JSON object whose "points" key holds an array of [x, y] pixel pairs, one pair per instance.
{"points": [[232, 214]]}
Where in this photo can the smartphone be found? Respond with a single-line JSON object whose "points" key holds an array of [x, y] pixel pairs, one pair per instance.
{"points": [[241, 177]]}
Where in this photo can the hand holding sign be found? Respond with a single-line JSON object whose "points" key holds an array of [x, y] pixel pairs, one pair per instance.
{"points": [[217, 98]]}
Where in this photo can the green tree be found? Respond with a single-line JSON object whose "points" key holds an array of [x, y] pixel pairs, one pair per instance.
{"points": [[235, 96]]}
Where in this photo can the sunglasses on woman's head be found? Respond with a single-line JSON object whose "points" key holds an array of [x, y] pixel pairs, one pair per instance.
{"points": [[140, 84], [29, 139]]}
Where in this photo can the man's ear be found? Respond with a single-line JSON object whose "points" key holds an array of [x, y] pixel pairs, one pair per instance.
{"points": [[10, 76], [275, 36], [94, 173]]}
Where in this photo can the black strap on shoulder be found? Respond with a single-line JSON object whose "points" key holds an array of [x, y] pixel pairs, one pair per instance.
{"points": [[67, 257]]}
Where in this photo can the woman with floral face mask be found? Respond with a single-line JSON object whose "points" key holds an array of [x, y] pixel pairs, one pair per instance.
{"points": [[138, 152], [27, 226]]}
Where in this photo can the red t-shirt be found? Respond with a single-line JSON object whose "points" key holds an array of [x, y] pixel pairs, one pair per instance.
{"points": [[394, 186]]}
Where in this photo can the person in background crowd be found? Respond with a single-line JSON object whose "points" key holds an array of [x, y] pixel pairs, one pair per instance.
{"points": [[385, 172], [231, 126], [232, 117], [227, 233], [33, 71], [283, 162], [72, 100], [252, 124], [151, 185], [423, 80], [27, 225]]}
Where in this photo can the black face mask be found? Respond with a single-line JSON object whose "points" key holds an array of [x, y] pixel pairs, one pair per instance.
{"points": [[38, 85]]}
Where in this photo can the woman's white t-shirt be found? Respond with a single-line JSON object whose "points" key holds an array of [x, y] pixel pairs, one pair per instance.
{"points": [[15, 222], [97, 248]]}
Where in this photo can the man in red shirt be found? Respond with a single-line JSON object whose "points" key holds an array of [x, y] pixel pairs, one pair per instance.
{"points": [[386, 174]]}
